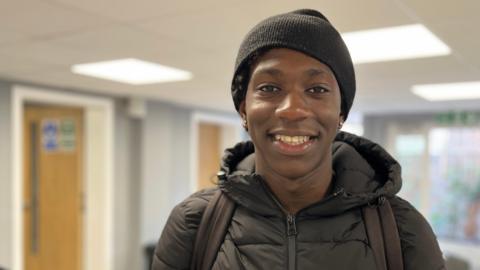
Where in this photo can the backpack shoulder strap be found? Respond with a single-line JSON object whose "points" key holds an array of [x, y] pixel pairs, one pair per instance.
{"points": [[211, 231], [383, 235], [375, 237], [391, 239]]}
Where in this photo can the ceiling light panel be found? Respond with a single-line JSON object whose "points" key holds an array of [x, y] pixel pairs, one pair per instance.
{"points": [[132, 71], [448, 91], [394, 43]]}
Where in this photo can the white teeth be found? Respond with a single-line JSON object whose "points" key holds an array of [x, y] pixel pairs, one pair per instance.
{"points": [[293, 140]]}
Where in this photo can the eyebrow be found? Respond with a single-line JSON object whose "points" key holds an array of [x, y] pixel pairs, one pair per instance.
{"points": [[315, 72], [274, 72], [270, 71]]}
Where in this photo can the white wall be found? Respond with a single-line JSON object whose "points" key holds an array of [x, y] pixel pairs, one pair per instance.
{"points": [[5, 178], [127, 179], [165, 166]]}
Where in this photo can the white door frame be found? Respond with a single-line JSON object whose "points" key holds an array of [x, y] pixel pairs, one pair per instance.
{"points": [[98, 172]]}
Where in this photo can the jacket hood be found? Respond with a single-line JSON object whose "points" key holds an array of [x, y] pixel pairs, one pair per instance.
{"points": [[364, 172]]}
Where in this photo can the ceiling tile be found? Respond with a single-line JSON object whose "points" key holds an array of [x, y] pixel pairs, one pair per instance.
{"points": [[464, 39], [435, 12], [9, 36], [13, 64], [44, 52], [127, 10], [124, 41], [41, 20]]}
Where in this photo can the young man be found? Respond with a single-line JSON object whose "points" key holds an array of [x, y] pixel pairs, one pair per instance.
{"points": [[300, 185]]}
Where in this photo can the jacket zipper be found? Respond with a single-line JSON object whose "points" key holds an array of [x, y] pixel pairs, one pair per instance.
{"points": [[292, 241], [291, 230], [292, 226]]}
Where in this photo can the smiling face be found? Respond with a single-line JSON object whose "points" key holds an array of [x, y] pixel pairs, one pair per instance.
{"points": [[292, 108]]}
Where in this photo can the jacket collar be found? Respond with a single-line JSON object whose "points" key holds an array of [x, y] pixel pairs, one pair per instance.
{"points": [[364, 171]]}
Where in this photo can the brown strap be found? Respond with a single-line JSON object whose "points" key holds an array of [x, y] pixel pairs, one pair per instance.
{"points": [[211, 231], [375, 237], [390, 237]]}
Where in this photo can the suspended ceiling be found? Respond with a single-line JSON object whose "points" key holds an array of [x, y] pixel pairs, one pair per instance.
{"points": [[41, 39]]}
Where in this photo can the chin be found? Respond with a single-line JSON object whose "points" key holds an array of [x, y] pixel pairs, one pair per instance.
{"points": [[293, 171]]}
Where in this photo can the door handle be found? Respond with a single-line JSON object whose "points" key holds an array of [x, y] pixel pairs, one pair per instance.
{"points": [[34, 192]]}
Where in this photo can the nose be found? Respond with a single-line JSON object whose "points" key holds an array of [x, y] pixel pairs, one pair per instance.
{"points": [[293, 107]]}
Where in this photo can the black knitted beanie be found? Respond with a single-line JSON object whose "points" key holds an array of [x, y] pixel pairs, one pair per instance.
{"points": [[307, 31]]}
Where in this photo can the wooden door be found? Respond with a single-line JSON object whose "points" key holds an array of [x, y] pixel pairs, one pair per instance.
{"points": [[209, 137], [53, 153]]}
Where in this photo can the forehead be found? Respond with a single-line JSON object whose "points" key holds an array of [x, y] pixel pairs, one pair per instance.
{"points": [[285, 60]]}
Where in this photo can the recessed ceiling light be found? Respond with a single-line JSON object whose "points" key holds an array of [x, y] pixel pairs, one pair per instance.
{"points": [[394, 43], [448, 91], [132, 71]]}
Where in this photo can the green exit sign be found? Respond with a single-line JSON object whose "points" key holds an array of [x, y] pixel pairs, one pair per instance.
{"points": [[458, 118]]}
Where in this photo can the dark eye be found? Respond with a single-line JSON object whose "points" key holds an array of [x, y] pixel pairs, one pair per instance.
{"points": [[268, 88], [317, 90]]}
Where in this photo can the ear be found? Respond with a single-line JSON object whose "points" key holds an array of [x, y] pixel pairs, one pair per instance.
{"points": [[341, 120], [241, 110]]}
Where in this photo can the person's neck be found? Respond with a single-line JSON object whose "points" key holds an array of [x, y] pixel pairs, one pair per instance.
{"points": [[296, 194]]}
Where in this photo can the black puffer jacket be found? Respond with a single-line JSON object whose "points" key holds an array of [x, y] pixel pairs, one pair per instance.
{"points": [[330, 234]]}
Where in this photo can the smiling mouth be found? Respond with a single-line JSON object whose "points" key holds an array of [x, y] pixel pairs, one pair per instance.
{"points": [[293, 140], [293, 144]]}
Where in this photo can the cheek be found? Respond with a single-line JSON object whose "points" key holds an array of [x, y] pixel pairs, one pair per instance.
{"points": [[256, 110], [336, 107], [329, 115], [257, 114], [258, 117]]}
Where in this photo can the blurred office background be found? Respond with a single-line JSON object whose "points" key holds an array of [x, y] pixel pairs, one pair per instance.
{"points": [[92, 163]]}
